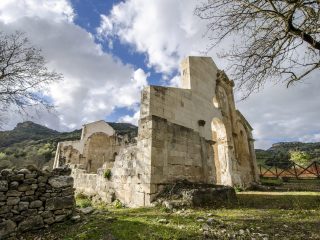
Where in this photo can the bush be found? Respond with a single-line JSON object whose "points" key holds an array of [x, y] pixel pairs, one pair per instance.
{"points": [[300, 157], [83, 201], [107, 174], [238, 188], [2, 155], [117, 204], [81, 195], [280, 160]]}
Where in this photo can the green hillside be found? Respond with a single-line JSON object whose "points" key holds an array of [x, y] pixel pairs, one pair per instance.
{"points": [[31, 143], [25, 131], [283, 153]]}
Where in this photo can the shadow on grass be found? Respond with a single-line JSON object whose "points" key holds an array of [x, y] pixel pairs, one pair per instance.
{"points": [[131, 229], [280, 201]]}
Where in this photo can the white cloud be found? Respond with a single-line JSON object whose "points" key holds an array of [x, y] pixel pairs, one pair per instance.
{"points": [[131, 119], [95, 83], [55, 10], [167, 31], [278, 113]]}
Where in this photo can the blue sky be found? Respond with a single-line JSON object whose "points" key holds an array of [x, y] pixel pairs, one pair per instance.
{"points": [[88, 17], [109, 50]]}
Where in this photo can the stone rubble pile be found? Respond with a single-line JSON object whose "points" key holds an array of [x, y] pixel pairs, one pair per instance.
{"points": [[32, 199], [187, 194]]}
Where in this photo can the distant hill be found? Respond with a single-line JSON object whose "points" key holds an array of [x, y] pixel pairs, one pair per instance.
{"points": [[124, 129], [25, 131], [31, 143], [279, 151]]}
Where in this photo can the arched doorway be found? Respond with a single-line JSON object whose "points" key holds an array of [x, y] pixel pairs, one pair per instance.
{"points": [[221, 152]]}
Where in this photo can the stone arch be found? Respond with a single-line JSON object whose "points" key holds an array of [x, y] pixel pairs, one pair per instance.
{"points": [[99, 149], [221, 152]]}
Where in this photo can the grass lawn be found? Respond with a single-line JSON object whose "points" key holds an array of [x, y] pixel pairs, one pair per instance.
{"points": [[258, 215]]}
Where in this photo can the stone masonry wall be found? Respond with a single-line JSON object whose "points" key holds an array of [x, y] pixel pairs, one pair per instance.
{"points": [[31, 199], [180, 153]]}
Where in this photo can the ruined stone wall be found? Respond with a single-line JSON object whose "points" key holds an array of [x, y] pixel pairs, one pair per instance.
{"points": [[94, 127], [97, 149], [206, 107], [125, 182], [97, 145], [130, 180], [180, 153], [233, 136], [100, 148], [32, 199], [193, 133]]}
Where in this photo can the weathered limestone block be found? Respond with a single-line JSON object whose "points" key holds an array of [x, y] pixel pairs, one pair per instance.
{"points": [[24, 171], [2, 196], [35, 204], [61, 181], [23, 206], [59, 203], [47, 214], [31, 223], [14, 185], [16, 177], [213, 196], [62, 171], [30, 181], [3, 185], [24, 187], [49, 221], [4, 209], [42, 179], [30, 175], [60, 218], [6, 228], [13, 201], [13, 193], [29, 193], [6, 172], [29, 212]]}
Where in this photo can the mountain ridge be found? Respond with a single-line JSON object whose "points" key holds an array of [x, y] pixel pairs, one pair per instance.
{"points": [[32, 143]]}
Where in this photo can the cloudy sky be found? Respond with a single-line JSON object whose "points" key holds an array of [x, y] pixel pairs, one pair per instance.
{"points": [[107, 50]]}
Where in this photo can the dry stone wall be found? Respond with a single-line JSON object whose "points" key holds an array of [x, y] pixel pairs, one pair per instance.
{"points": [[31, 199]]}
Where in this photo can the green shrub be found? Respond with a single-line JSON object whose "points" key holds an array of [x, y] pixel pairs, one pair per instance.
{"points": [[107, 174], [238, 188], [300, 157], [83, 201], [2, 155], [117, 204], [81, 195]]}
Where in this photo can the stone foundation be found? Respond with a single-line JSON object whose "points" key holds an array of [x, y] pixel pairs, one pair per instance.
{"points": [[187, 194], [31, 199]]}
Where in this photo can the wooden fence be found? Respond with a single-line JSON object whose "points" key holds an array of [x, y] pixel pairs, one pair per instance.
{"points": [[294, 171]]}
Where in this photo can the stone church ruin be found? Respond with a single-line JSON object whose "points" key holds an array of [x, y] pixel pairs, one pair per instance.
{"points": [[192, 133]]}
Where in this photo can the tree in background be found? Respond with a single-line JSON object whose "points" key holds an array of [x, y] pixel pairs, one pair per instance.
{"points": [[23, 75], [276, 40], [281, 159], [300, 157]]}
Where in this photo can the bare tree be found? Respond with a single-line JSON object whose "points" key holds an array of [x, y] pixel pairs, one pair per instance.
{"points": [[275, 40], [23, 74]]}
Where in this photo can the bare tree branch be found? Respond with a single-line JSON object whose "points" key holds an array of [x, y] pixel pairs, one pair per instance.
{"points": [[280, 39], [23, 75]]}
